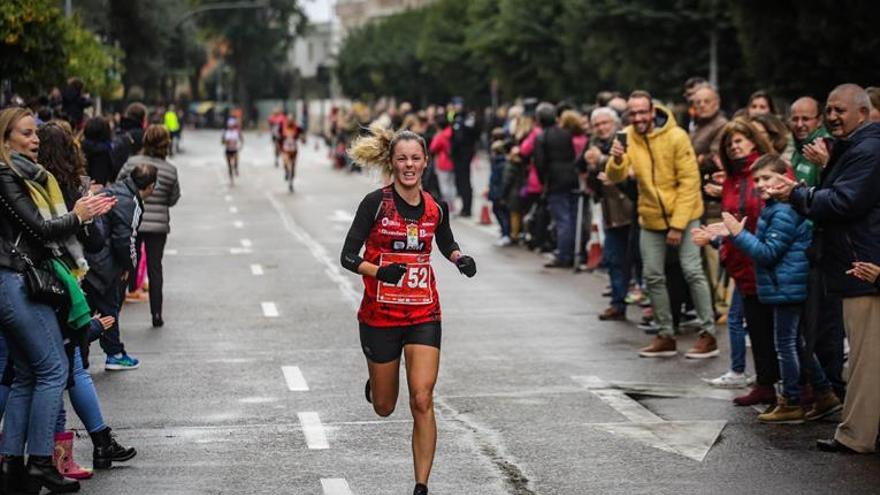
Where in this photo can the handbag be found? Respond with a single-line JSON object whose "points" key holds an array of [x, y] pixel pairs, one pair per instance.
{"points": [[40, 281]]}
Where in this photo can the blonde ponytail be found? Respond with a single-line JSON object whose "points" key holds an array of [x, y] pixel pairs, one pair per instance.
{"points": [[374, 149]]}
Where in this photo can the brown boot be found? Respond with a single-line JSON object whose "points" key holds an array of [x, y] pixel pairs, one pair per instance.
{"points": [[759, 394], [783, 414], [706, 347], [612, 314], [660, 347], [825, 405]]}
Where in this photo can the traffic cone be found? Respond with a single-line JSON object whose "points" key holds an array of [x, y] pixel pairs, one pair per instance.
{"points": [[594, 256], [485, 218]]}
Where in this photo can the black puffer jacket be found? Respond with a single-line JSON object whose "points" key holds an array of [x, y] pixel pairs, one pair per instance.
{"points": [[19, 217], [554, 160], [846, 210]]}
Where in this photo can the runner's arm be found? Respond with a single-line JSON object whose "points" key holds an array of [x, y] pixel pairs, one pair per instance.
{"points": [[357, 235], [445, 239]]}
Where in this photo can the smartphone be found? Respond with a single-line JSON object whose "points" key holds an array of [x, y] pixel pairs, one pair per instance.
{"points": [[621, 138]]}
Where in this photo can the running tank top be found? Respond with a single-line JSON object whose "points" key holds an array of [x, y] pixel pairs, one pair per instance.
{"points": [[395, 239]]}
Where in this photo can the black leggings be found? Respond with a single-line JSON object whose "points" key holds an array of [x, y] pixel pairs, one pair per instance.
{"points": [[155, 249], [759, 322]]}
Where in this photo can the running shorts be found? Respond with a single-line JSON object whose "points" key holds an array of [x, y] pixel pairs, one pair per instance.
{"points": [[384, 344]]}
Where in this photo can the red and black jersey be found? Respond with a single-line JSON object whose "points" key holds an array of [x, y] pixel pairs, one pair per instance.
{"points": [[393, 238]]}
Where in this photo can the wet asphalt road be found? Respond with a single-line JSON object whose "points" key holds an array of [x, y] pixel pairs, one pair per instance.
{"points": [[255, 384]]}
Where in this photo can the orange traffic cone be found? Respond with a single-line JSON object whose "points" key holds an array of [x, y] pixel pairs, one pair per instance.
{"points": [[594, 255], [485, 218]]}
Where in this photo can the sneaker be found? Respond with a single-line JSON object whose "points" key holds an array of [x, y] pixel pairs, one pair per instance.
{"points": [[121, 362], [634, 296], [759, 394], [646, 301], [558, 264], [420, 489], [607, 292], [158, 322], [706, 347], [504, 241], [783, 414], [825, 405], [612, 314], [731, 379], [649, 327], [689, 319], [660, 347]]}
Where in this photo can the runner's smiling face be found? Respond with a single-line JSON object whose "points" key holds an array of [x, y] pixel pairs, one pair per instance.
{"points": [[408, 163]]}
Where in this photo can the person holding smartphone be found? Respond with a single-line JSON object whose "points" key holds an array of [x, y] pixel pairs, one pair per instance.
{"points": [[662, 159]]}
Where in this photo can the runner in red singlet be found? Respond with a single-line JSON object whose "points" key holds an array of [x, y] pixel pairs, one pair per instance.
{"points": [[400, 310]]}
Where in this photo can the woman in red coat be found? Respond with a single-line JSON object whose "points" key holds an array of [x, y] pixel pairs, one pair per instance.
{"points": [[741, 145]]}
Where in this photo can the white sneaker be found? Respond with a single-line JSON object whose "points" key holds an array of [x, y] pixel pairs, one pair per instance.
{"points": [[731, 379], [503, 242]]}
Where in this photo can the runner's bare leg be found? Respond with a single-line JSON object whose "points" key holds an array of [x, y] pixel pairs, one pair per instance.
{"points": [[422, 366]]}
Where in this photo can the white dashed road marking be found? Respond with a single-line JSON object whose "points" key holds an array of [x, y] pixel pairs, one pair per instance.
{"points": [[257, 269], [296, 382], [313, 430], [335, 486], [238, 224], [269, 310], [233, 209], [246, 243]]}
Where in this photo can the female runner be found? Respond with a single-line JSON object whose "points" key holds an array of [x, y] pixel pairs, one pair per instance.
{"points": [[400, 310], [289, 147]]}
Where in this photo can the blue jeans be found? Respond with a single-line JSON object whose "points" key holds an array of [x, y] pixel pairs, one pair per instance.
{"points": [[737, 332], [502, 214], [563, 209], [108, 303], [786, 322], [84, 399], [4, 360], [35, 346], [616, 257]]}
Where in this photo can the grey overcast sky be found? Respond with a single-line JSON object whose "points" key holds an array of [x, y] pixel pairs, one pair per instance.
{"points": [[318, 10]]}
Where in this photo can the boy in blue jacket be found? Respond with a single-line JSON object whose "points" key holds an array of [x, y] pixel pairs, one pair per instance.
{"points": [[779, 250]]}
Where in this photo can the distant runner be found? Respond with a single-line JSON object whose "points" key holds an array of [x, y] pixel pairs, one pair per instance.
{"points": [[232, 141]]}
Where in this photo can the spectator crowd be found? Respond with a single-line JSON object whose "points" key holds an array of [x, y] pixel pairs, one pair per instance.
{"points": [[766, 221], [84, 213]]}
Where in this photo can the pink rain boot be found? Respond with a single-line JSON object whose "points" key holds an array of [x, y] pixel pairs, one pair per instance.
{"points": [[63, 458]]}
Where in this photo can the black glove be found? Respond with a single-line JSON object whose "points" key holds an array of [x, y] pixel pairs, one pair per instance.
{"points": [[466, 265], [391, 274]]}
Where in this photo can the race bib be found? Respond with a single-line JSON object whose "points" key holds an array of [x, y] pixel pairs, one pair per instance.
{"points": [[414, 287]]}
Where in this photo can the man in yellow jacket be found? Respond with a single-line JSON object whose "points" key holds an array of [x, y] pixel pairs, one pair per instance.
{"points": [[670, 205]]}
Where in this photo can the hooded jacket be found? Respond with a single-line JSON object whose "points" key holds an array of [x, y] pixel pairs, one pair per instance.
{"points": [[157, 217], [117, 230], [740, 198], [554, 160], [666, 170], [846, 209], [779, 250]]}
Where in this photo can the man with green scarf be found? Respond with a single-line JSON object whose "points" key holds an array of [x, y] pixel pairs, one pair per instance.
{"points": [[810, 153]]}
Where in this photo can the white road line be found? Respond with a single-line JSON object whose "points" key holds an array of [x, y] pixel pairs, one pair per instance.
{"points": [[171, 252], [228, 197], [335, 486], [257, 269], [341, 216], [331, 264], [238, 224], [246, 243], [269, 309], [618, 400], [237, 250], [313, 430], [233, 209], [296, 382]]}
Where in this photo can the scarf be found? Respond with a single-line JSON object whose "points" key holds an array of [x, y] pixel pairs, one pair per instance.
{"points": [[46, 195], [79, 314]]}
